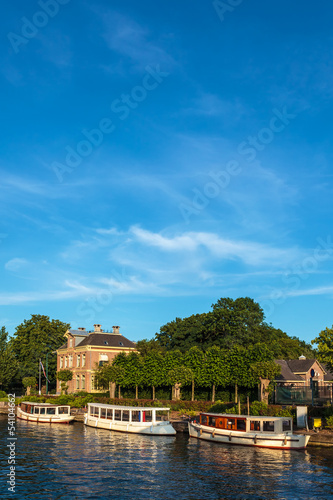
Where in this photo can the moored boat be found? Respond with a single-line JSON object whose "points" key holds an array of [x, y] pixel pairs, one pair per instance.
{"points": [[131, 419], [44, 413], [262, 432]]}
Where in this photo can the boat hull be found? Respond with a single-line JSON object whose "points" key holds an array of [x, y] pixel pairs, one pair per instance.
{"points": [[40, 419], [259, 439], [157, 429]]}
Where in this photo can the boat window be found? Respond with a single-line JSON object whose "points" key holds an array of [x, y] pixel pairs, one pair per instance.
{"points": [[203, 419], [148, 416], [23, 407], [36, 409], [286, 425], [268, 426], [50, 411], [231, 424], [96, 411], [103, 412], [241, 424], [125, 416], [42, 411], [62, 410], [211, 421], [117, 415], [135, 416], [255, 425]]}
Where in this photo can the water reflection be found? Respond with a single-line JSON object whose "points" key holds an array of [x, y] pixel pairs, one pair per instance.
{"points": [[75, 461]]}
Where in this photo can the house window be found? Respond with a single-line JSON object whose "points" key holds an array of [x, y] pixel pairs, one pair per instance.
{"points": [[70, 363], [93, 383], [65, 361], [61, 362], [78, 381], [83, 360], [83, 382], [78, 360]]}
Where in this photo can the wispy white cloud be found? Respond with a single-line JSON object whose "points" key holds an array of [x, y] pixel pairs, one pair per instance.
{"points": [[16, 264], [220, 248], [128, 38]]}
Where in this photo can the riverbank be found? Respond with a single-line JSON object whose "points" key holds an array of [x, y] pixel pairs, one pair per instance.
{"points": [[322, 438]]}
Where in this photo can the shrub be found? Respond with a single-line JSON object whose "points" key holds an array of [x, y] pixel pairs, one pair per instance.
{"points": [[329, 422], [3, 394]]}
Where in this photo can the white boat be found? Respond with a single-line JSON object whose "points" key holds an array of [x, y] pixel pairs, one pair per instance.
{"points": [[262, 432], [44, 413], [131, 419]]}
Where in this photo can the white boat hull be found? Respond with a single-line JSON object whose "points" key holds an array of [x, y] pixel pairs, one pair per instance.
{"points": [[156, 429], [285, 441], [44, 419]]}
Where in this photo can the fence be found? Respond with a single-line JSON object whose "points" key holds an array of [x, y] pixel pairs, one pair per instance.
{"points": [[315, 395]]}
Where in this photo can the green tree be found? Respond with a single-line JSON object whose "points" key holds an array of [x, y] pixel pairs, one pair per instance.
{"points": [[109, 373], [133, 370], [33, 339], [177, 376], [214, 373], [8, 363], [145, 346], [194, 359], [64, 376], [325, 347], [30, 382], [231, 322], [154, 372]]}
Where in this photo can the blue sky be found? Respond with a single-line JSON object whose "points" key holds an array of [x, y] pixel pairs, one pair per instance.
{"points": [[156, 156]]}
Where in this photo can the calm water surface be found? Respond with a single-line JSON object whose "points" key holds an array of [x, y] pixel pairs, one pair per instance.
{"points": [[65, 462]]}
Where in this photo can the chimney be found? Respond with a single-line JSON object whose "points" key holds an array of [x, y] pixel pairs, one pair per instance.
{"points": [[115, 329], [81, 329], [98, 329]]}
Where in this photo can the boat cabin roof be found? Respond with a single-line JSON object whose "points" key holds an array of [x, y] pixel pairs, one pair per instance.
{"points": [[252, 417], [135, 408], [43, 404]]}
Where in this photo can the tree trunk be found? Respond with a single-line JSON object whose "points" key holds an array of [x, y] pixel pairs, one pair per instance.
{"points": [[264, 383], [236, 393], [213, 393], [192, 395], [112, 389], [177, 392], [119, 392], [136, 392], [153, 393]]}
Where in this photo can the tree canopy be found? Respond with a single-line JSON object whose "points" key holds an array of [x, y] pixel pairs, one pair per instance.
{"points": [[8, 363], [33, 339], [230, 323], [325, 347]]}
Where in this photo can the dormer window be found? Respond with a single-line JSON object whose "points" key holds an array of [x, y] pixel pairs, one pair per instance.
{"points": [[120, 343], [70, 342], [106, 342]]}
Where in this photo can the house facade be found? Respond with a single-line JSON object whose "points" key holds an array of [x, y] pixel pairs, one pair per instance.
{"points": [[302, 372], [303, 381], [84, 350]]}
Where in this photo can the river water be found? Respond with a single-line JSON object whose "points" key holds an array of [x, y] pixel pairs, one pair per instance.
{"points": [[78, 462]]}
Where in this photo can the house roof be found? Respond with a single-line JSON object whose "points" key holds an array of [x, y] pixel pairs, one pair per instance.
{"points": [[80, 333], [300, 365], [286, 372], [106, 339]]}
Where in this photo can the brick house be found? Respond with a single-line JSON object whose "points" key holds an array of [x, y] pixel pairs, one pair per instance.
{"points": [[303, 381], [301, 372], [83, 350]]}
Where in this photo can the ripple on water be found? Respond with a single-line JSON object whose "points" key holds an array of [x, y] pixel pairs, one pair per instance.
{"points": [[80, 462]]}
